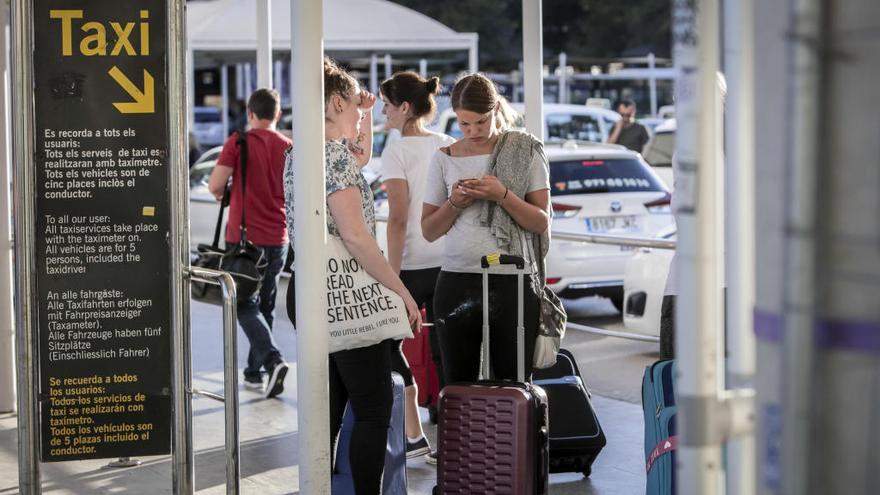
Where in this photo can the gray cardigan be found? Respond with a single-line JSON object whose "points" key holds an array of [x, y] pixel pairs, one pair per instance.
{"points": [[509, 162]]}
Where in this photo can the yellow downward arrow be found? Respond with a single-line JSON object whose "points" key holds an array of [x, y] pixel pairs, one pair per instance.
{"points": [[144, 101]]}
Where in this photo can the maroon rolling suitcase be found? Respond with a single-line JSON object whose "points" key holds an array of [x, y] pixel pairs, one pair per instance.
{"points": [[493, 435]]}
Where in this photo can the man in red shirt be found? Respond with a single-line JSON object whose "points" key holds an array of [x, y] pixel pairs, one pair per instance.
{"points": [[263, 203]]}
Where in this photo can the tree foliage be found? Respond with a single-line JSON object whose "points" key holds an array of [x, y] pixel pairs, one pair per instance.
{"points": [[586, 30]]}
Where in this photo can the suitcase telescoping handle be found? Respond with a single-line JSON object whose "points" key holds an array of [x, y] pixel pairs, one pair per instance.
{"points": [[496, 260]]}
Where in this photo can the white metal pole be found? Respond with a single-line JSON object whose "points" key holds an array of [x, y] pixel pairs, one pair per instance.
{"points": [[190, 88], [563, 78], [310, 244], [740, 232], [248, 81], [7, 327], [533, 67], [800, 301], [374, 73], [239, 82], [699, 322], [388, 67], [224, 96], [474, 56], [264, 43], [423, 67], [652, 81], [277, 77]]}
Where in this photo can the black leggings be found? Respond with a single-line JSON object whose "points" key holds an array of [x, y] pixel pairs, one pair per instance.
{"points": [[420, 284], [458, 303], [363, 378]]}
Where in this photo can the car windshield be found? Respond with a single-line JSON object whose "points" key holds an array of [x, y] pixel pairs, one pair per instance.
{"points": [[601, 176], [560, 127], [205, 116]]}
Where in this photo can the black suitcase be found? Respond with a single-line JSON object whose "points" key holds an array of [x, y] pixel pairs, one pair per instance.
{"points": [[576, 438]]}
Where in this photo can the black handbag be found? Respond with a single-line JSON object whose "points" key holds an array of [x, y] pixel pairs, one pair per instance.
{"points": [[244, 261]]}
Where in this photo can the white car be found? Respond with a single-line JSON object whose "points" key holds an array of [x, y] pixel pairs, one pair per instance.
{"points": [[562, 122], [644, 282], [208, 126], [203, 207], [607, 189], [658, 152]]}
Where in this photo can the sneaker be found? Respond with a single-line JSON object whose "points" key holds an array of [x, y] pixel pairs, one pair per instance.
{"points": [[254, 383], [276, 379], [417, 448], [431, 457]]}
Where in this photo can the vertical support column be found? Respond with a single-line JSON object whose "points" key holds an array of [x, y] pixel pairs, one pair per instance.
{"points": [[310, 243], [239, 82], [699, 262], [374, 73], [563, 77], [799, 293], [423, 67], [248, 81], [652, 81], [7, 328], [224, 96], [190, 88], [180, 62], [23, 194], [533, 66], [474, 56], [278, 75], [740, 233], [264, 44], [388, 66]]}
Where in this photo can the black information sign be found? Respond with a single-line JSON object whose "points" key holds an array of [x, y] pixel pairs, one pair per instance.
{"points": [[102, 228]]}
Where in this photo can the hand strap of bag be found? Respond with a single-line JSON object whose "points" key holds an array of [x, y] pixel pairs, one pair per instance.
{"points": [[223, 204], [243, 156]]}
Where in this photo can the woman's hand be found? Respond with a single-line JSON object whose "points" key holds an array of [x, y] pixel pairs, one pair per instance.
{"points": [[367, 100], [487, 187], [413, 313], [459, 198]]}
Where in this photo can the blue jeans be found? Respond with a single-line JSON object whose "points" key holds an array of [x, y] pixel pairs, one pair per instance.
{"points": [[257, 314]]}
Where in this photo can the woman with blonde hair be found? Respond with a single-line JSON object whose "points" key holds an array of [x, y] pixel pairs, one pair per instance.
{"points": [[489, 192], [361, 376]]}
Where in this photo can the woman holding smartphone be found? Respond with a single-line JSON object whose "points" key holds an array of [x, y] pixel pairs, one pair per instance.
{"points": [[408, 105], [361, 376], [486, 206]]}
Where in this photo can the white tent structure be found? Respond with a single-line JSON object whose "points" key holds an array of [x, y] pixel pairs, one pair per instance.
{"points": [[362, 25]]}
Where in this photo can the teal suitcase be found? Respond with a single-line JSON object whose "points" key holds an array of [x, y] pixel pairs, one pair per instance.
{"points": [[658, 403]]}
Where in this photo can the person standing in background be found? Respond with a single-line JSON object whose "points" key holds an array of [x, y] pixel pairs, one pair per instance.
{"points": [[263, 204], [627, 132], [408, 105]]}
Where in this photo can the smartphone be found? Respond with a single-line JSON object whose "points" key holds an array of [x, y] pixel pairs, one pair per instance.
{"points": [[466, 179]]}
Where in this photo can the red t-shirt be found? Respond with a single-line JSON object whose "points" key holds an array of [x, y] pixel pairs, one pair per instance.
{"points": [[264, 208]]}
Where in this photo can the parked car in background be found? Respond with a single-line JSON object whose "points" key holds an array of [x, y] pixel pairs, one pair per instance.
{"points": [[659, 150], [208, 126], [644, 282], [606, 189], [562, 122], [203, 207]]}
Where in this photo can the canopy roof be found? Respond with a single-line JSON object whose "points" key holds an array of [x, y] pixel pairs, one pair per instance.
{"points": [[231, 25]]}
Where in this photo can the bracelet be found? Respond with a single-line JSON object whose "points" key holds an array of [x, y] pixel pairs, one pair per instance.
{"points": [[453, 204], [500, 201]]}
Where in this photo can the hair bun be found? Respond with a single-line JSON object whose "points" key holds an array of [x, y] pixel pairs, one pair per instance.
{"points": [[433, 85]]}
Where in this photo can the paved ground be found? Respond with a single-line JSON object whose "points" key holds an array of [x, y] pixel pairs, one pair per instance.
{"points": [[612, 368]]}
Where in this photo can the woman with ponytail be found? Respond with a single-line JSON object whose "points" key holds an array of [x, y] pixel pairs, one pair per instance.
{"points": [[489, 192], [408, 105]]}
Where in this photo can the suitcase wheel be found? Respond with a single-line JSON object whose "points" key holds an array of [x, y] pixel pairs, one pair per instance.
{"points": [[588, 471]]}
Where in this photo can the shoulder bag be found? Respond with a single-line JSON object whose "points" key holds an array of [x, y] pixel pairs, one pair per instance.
{"points": [[243, 260]]}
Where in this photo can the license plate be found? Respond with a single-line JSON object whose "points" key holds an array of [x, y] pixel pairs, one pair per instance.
{"points": [[620, 223]]}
